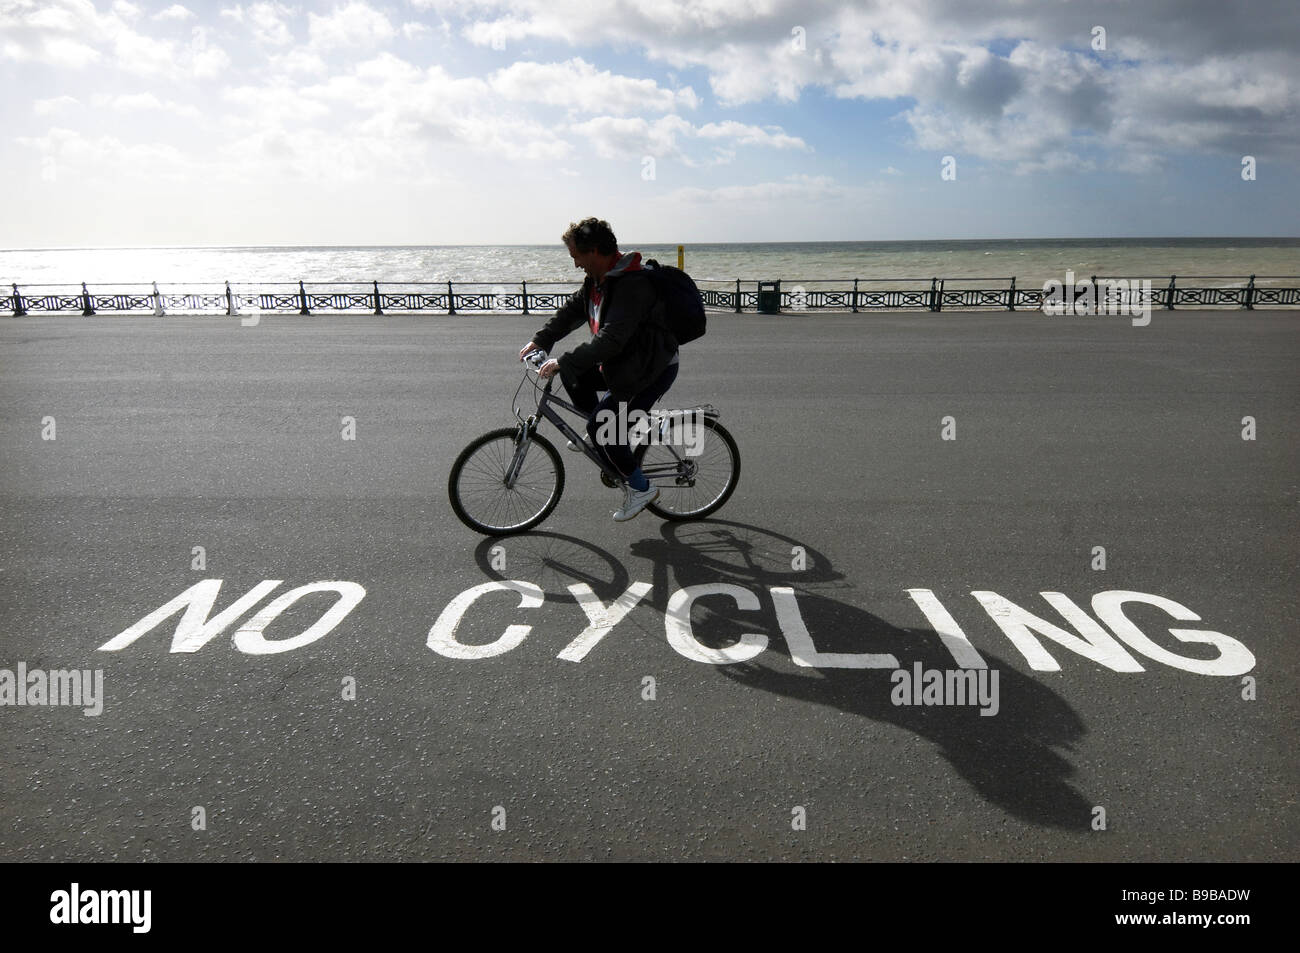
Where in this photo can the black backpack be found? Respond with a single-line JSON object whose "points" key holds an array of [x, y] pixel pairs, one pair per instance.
{"points": [[683, 303]]}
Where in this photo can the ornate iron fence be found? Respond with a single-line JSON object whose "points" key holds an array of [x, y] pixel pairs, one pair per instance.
{"points": [[853, 295]]}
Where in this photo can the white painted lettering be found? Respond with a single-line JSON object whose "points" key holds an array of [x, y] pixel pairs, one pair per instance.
{"points": [[602, 617], [802, 649], [946, 627], [250, 640], [1233, 659], [195, 629], [442, 637], [1020, 624], [677, 622]]}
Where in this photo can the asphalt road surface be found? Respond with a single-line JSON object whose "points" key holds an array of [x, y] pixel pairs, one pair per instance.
{"points": [[1097, 521]]}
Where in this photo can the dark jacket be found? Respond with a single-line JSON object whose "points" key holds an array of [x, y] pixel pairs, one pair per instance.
{"points": [[633, 345]]}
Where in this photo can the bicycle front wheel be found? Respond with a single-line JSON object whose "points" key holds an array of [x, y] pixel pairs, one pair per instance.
{"points": [[693, 486], [477, 485]]}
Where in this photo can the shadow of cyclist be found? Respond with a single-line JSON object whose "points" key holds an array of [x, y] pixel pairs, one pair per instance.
{"points": [[1010, 758], [553, 562]]}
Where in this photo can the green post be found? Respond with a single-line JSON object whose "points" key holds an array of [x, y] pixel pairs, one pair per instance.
{"points": [[525, 284], [302, 299], [854, 303], [737, 296], [86, 309], [19, 310], [1011, 297], [936, 294], [1169, 302], [378, 309], [1250, 294], [451, 300]]}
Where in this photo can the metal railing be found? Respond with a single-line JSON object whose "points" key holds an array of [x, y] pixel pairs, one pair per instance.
{"points": [[447, 297]]}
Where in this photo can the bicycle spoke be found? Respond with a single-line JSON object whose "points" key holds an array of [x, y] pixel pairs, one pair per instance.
{"points": [[712, 475], [478, 484]]}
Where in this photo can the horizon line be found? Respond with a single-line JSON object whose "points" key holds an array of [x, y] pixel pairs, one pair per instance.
{"points": [[850, 241]]}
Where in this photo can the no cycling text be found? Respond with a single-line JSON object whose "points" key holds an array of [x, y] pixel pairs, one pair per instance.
{"points": [[1107, 636]]}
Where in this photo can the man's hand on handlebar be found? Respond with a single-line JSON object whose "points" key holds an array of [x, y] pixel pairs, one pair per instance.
{"points": [[546, 369]]}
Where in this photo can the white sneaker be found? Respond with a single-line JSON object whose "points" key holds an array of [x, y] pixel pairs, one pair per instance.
{"points": [[634, 501]]}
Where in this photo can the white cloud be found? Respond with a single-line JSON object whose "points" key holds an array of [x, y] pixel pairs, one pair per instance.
{"points": [[143, 55], [1057, 161], [578, 85], [510, 138], [54, 35], [72, 34], [56, 104], [300, 60], [267, 22], [133, 101], [144, 102], [355, 25], [108, 159], [413, 30], [623, 137], [805, 187], [1138, 163], [174, 12], [1217, 75], [209, 62], [417, 109], [744, 74], [617, 137], [273, 106], [745, 135]]}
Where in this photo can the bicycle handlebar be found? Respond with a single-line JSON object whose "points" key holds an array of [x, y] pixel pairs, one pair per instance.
{"points": [[533, 362]]}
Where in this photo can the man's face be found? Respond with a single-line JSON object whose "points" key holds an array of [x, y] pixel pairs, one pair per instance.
{"points": [[588, 261]]}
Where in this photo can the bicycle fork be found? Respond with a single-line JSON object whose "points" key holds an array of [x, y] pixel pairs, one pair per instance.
{"points": [[522, 441]]}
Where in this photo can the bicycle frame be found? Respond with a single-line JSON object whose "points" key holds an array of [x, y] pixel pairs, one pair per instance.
{"points": [[681, 471]]}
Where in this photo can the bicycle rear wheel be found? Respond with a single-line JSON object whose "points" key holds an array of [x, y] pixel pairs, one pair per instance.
{"points": [[477, 484], [692, 487]]}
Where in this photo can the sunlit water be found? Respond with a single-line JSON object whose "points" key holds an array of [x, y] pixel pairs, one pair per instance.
{"points": [[1031, 261]]}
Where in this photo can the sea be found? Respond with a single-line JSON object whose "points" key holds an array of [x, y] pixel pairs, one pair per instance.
{"points": [[1207, 261]]}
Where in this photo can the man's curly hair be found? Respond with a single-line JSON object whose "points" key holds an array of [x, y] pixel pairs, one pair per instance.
{"points": [[591, 234]]}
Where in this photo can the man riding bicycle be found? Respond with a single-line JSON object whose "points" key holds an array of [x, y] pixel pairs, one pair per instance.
{"points": [[631, 356]]}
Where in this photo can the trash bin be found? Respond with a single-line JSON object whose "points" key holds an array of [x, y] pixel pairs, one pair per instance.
{"points": [[769, 297]]}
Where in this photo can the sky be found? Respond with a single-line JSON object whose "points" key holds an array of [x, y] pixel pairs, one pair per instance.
{"points": [[354, 122]]}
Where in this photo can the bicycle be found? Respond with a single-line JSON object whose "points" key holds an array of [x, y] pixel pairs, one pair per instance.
{"points": [[509, 480]]}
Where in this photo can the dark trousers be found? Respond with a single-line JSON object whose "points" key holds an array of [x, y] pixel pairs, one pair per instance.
{"points": [[584, 394]]}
